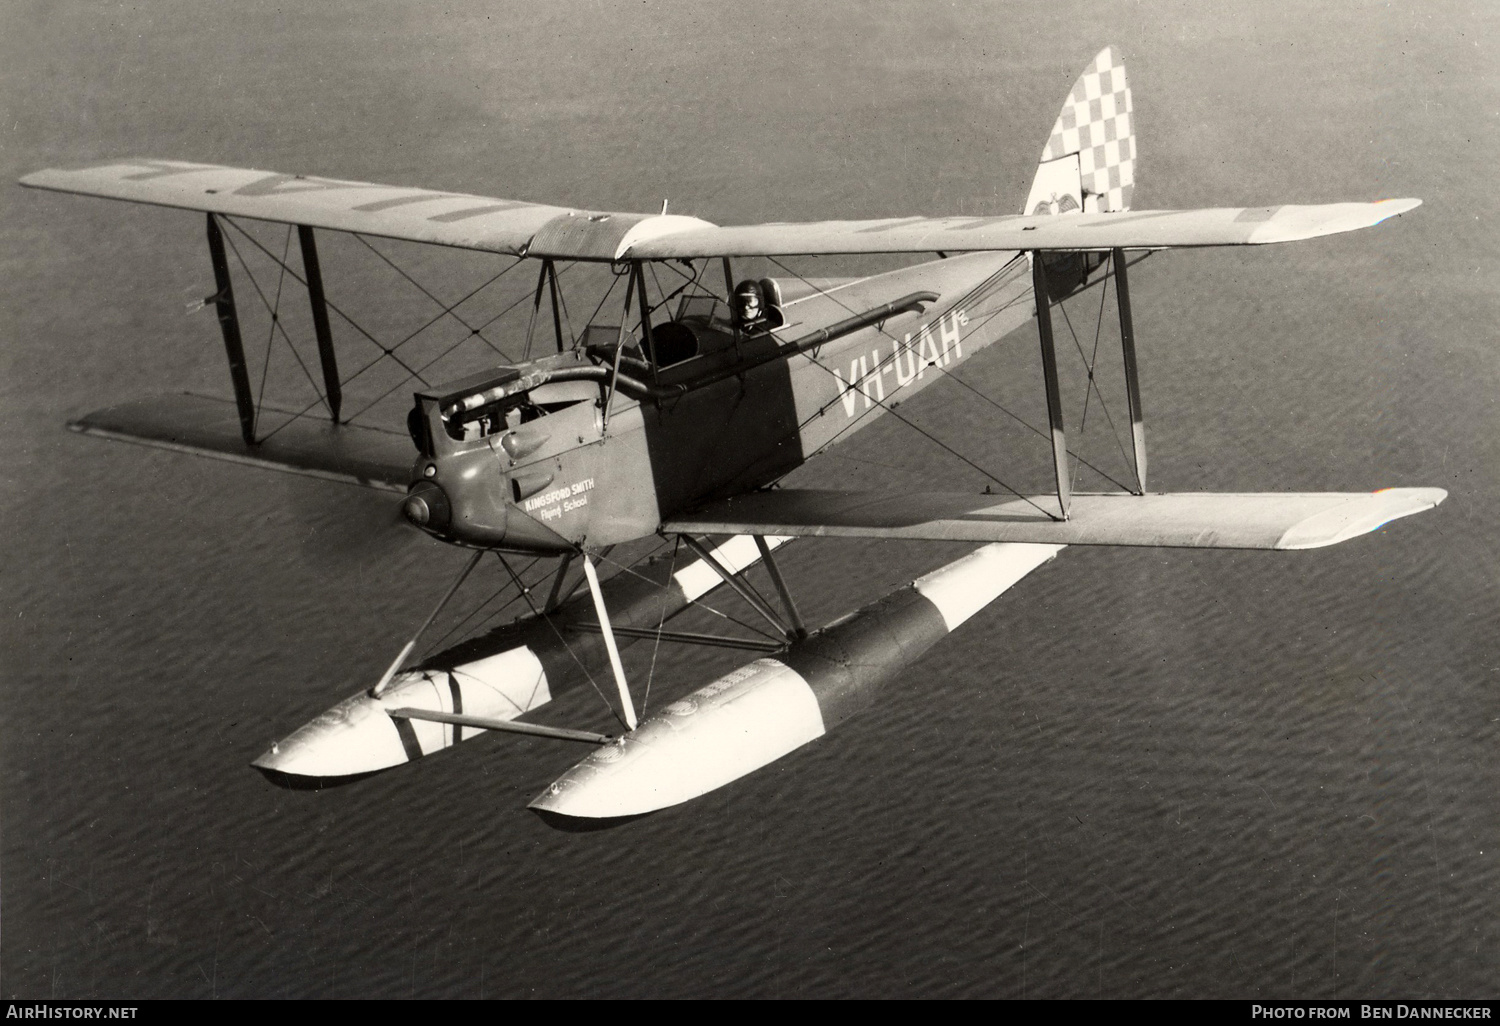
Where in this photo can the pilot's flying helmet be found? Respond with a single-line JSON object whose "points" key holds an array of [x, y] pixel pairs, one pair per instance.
{"points": [[749, 301]]}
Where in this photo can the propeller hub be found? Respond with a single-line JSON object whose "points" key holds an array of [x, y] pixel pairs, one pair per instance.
{"points": [[427, 507]]}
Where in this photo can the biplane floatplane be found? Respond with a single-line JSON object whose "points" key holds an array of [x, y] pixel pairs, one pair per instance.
{"points": [[680, 419]]}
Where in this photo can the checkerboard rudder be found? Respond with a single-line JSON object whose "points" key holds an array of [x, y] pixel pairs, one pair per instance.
{"points": [[1089, 161]]}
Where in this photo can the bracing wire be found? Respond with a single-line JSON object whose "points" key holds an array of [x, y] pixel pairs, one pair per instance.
{"points": [[993, 281], [526, 594], [1093, 387], [660, 623], [275, 324], [332, 306], [448, 311], [385, 351], [695, 602], [897, 346]]}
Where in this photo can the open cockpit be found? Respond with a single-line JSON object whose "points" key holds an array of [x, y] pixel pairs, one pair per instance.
{"points": [[706, 339]]}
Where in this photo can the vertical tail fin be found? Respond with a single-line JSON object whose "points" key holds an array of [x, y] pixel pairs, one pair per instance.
{"points": [[1088, 163]]}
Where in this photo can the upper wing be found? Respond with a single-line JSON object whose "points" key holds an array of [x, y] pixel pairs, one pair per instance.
{"points": [[420, 215], [1268, 520], [1129, 229], [532, 229]]}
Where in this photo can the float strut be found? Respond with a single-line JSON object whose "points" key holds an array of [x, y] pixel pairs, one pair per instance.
{"points": [[229, 324], [1049, 373], [1132, 379], [395, 667], [555, 598], [326, 356], [798, 627], [511, 726], [734, 582], [626, 705]]}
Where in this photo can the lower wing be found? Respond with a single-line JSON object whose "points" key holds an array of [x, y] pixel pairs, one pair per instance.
{"points": [[1205, 520], [302, 445]]}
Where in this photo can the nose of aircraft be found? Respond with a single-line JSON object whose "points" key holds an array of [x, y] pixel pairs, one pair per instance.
{"points": [[427, 507]]}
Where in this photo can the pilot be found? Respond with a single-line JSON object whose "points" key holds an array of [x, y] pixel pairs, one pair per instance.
{"points": [[751, 307]]}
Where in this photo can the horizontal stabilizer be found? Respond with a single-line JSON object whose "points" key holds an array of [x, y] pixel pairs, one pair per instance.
{"points": [[1203, 520], [304, 445]]}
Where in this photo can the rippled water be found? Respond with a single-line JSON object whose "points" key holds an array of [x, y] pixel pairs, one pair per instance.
{"points": [[1141, 773]]}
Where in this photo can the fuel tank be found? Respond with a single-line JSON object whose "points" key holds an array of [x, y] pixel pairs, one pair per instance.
{"points": [[770, 707]]}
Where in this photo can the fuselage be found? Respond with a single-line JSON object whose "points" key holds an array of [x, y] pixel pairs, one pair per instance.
{"points": [[555, 454]]}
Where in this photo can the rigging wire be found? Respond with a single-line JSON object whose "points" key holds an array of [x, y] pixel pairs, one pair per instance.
{"points": [[384, 350], [942, 445], [660, 291], [897, 346], [447, 310], [1013, 416], [332, 306], [607, 293], [476, 610], [562, 301], [536, 306], [660, 623], [275, 311], [244, 266], [439, 357], [993, 281], [1092, 385], [526, 594], [695, 602], [1093, 362]]}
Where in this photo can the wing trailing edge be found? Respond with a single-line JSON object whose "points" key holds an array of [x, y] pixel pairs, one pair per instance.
{"points": [[1205, 520], [210, 427]]}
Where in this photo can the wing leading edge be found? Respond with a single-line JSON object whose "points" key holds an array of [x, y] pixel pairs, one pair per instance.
{"points": [[1265, 520], [510, 227], [518, 228], [1128, 229]]}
